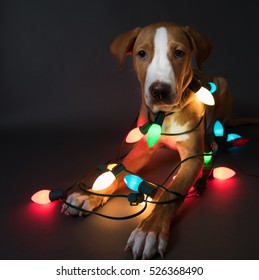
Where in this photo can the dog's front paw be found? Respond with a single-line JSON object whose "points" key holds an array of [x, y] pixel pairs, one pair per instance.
{"points": [[149, 239], [82, 201]]}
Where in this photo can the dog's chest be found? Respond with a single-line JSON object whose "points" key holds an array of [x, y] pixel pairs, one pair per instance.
{"points": [[173, 131]]}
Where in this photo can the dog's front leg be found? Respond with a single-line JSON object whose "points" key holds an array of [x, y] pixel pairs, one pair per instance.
{"points": [[137, 158], [152, 234]]}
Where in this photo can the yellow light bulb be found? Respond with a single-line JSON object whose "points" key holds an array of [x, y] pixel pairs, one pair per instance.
{"points": [[148, 198], [110, 166]]}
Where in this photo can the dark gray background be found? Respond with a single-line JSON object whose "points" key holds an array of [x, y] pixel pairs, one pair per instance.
{"points": [[57, 69], [65, 108]]}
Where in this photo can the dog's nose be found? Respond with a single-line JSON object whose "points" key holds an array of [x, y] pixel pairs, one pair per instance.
{"points": [[160, 91]]}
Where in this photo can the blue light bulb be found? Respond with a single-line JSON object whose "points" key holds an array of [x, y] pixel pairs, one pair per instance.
{"points": [[232, 136], [218, 129], [133, 182], [137, 184], [213, 87]]}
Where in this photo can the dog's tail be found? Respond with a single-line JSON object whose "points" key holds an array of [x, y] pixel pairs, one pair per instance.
{"points": [[241, 121]]}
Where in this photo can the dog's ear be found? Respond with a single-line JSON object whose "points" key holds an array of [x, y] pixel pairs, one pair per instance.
{"points": [[200, 43], [123, 45]]}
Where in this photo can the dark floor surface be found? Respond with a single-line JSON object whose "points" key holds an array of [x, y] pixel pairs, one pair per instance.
{"points": [[221, 224]]}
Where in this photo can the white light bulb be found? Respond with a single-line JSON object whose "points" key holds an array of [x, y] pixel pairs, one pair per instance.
{"points": [[103, 181], [205, 96]]}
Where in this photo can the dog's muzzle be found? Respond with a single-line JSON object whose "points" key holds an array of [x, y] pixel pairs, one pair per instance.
{"points": [[161, 93]]}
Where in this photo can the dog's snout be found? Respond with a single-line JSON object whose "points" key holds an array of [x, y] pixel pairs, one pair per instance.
{"points": [[160, 91]]}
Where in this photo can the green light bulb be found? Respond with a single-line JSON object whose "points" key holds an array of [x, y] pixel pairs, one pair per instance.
{"points": [[207, 158], [153, 135]]}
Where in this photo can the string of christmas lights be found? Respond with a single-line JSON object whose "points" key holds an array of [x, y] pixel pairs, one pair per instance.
{"points": [[143, 189]]}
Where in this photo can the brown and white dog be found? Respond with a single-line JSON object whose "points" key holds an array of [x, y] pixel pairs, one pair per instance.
{"points": [[162, 56]]}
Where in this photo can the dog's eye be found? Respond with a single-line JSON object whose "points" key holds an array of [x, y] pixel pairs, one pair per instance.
{"points": [[178, 54], [142, 54]]}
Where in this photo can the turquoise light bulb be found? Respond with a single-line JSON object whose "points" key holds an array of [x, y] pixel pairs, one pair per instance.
{"points": [[232, 136], [133, 182], [218, 129], [213, 87]]}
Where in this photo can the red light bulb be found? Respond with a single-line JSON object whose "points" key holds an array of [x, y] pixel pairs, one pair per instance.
{"points": [[47, 196], [41, 197], [134, 135], [223, 173], [238, 142], [137, 133]]}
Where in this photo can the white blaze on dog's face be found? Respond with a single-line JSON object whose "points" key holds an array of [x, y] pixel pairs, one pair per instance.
{"points": [[162, 60], [160, 78]]}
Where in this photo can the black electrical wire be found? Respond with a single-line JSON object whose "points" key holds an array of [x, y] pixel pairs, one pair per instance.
{"points": [[179, 196], [180, 163], [83, 188], [185, 132], [106, 216], [80, 209]]}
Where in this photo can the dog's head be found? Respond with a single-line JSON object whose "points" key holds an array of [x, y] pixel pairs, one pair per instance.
{"points": [[162, 57]]}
